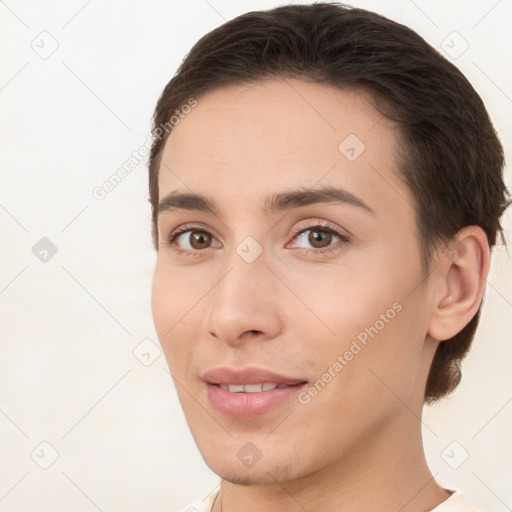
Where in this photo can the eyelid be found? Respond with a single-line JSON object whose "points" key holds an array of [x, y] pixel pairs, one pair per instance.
{"points": [[327, 227], [306, 225], [188, 228]]}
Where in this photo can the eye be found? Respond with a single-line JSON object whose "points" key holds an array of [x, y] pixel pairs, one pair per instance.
{"points": [[316, 239], [321, 238], [197, 239]]}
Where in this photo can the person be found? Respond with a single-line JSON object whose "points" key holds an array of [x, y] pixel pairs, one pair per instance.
{"points": [[326, 190]]}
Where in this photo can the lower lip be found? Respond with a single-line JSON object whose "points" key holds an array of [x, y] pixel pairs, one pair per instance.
{"points": [[249, 405]]}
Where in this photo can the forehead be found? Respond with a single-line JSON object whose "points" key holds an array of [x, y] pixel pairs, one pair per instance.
{"points": [[250, 140]]}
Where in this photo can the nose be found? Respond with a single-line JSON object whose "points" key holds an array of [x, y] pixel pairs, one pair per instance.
{"points": [[244, 305]]}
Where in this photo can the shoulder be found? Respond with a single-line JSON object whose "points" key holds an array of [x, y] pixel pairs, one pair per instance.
{"points": [[455, 503], [204, 505]]}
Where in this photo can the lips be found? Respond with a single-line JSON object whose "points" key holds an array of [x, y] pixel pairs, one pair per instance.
{"points": [[250, 392], [225, 375]]}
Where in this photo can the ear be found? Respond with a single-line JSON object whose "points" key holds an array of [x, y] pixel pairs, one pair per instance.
{"points": [[462, 273]]}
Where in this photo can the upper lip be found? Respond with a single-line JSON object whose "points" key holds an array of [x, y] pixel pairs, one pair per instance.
{"points": [[250, 375]]}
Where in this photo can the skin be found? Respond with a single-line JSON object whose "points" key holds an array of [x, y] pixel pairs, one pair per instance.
{"points": [[357, 444]]}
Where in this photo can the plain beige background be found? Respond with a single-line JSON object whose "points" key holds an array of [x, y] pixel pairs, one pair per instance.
{"points": [[89, 418]]}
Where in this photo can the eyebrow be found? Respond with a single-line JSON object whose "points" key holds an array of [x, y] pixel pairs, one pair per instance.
{"points": [[275, 203]]}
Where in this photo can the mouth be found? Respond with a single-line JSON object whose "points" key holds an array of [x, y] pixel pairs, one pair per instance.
{"points": [[251, 388], [249, 393]]}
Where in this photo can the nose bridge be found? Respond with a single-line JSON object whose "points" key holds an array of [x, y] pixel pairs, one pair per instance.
{"points": [[244, 298]]}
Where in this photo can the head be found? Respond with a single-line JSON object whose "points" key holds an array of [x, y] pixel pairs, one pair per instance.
{"points": [[341, 184]]}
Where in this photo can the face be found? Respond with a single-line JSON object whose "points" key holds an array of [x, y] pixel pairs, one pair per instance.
{"points": [[291, 322]]}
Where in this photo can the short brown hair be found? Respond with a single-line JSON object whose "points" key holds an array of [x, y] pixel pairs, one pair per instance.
{"points": [[452, 160]]}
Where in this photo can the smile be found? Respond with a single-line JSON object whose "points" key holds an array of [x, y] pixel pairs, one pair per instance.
{"points": [[250, 388], [250, 392]]}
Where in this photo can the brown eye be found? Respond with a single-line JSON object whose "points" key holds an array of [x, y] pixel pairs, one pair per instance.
{"points": [[319, 238], [200, 239], [192, 240]]}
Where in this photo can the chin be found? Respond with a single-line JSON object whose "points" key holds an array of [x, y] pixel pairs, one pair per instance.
{"points": [[257, 475], [271, 467]]}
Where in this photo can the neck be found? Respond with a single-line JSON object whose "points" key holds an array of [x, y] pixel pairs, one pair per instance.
{"points": [[389, 474]]}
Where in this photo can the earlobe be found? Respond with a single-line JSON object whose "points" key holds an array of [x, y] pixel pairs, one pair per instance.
{"points": [[462, 272]]}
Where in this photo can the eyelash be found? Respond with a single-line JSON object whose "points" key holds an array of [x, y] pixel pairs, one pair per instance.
{"points": [[343, 239]]}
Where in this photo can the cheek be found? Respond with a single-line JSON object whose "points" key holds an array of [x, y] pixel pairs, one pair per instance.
{"points": [[162, 303], [345, 300], [172, 305], [363, 314], [174, 294]]}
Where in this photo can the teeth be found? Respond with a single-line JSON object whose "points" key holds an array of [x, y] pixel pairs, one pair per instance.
{"points": [[253, 388], [248, 388]]}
